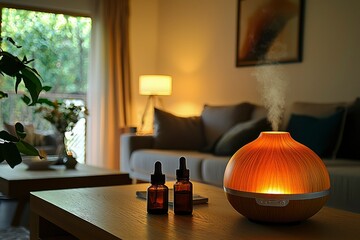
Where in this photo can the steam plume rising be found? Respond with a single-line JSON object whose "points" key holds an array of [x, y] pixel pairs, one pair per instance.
{"points": [[272, 84]]}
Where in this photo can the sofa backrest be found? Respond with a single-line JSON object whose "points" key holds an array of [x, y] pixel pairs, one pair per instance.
{"points": [[259, 112]]}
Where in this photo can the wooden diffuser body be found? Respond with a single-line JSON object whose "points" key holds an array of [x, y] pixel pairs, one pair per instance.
{"points": [[276, 179]]}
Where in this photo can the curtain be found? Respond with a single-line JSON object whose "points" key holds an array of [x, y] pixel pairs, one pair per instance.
{"points": [[109, 82]]}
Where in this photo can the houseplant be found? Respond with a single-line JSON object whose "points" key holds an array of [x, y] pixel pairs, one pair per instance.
{"points": [[62, 115], [11, 146]]}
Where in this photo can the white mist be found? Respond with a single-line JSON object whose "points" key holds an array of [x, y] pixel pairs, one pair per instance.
{"points": [[272, 85]]}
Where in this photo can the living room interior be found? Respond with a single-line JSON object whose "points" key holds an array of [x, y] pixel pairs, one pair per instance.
{"points": [[195, 43]]}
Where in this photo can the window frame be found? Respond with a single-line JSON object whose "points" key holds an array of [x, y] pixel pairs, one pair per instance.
{"points": [[63, 96]]}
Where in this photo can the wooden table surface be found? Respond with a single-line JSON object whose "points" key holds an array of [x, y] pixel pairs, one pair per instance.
{"points": [[19, 181], [115, 213]]}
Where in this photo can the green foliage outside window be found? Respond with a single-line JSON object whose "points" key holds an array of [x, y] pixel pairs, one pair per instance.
{"points": [[60, 46], [59, 43]]}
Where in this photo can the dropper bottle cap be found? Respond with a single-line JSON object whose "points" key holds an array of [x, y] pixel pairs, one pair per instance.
{"points": [[182, 172], [157, 178]]}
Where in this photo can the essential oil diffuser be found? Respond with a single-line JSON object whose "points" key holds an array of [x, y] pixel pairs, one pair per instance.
{"points": [[276, 179]]}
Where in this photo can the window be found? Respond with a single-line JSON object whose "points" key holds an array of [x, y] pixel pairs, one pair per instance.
{"points": [[59, 45]]}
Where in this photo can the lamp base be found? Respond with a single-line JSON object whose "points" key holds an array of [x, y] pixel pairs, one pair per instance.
{"points": [[266, 209]]}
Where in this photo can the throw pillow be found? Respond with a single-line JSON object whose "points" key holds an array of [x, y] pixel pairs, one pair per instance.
{"points": [[320, 134], [239, 135], [181, 133], [312, 109], [219, 119], [350, 144]]}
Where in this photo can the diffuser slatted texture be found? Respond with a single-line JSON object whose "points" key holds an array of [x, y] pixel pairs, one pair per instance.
{"points": [[276, 163], [276, 179]]}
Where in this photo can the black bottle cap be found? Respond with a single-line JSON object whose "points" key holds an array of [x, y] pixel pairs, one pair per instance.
{"points": [[182, 172], [157, 177]]}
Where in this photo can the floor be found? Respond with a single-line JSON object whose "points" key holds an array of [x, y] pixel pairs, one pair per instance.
{"points": [[7, 211], [15, 233]]}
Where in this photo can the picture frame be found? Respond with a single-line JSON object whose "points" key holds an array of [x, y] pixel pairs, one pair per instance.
{"points": [[269, 32]]}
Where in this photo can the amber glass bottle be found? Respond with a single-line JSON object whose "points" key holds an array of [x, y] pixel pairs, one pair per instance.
{"points": [[183, 190], [157, 193]]}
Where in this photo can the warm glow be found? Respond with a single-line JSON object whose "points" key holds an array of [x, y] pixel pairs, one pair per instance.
{"points": [[276, 163], [274, 190], [155, 85]]}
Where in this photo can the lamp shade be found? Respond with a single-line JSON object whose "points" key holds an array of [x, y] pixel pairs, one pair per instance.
{"points": [[276, 179], [155, 85]]}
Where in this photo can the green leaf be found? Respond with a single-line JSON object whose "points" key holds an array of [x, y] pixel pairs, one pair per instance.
{"points": [[18, 81], [2, 158], [47, 88], [20, 130], [10, 153], [26, 99], [8, 137], [25, 61], [46, 101], [12, 42], [3, 95], [32, 83], [9, 64], [27, 148]]}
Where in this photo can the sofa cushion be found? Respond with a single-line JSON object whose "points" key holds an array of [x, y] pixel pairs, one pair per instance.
{"points": [[239, 135], [173, 132], [219, 119], [143, 160], [213, 169], [350, 144], [320, 134], [344, 191], [311, 109]]}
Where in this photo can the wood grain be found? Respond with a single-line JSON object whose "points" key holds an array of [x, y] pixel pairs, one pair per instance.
{"points": [[116, 213], [276, 163], [19, 182]]}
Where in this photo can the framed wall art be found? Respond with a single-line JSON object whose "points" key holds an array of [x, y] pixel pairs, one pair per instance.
{"points": [[269, 31]]}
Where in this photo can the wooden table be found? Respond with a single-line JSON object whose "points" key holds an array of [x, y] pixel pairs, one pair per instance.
{"points": [[19, 182], [115, 213]]}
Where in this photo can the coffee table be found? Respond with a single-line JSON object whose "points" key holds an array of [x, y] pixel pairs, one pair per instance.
{"points": [[19, 182], [115, 213]]}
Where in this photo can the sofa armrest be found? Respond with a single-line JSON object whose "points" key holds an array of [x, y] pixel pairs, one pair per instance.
{"points": [[129, 143]]}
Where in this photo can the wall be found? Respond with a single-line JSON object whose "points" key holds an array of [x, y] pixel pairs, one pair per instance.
{"points": [[143, 48], [196, 45]]}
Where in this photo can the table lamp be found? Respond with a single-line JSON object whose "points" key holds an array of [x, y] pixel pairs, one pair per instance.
{"points": [[153, 86], [276, 179]]}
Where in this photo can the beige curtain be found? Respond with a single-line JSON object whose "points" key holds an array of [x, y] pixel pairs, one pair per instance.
{"points": [[109, 82]]}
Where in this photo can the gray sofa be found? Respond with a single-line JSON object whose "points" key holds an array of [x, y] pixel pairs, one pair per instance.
{"points": [[330, 129]]}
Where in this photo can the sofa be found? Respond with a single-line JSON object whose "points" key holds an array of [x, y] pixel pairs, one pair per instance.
{"points": [[208, 141]]}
